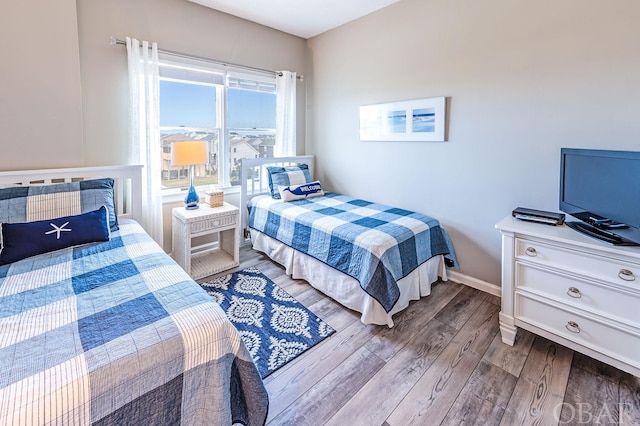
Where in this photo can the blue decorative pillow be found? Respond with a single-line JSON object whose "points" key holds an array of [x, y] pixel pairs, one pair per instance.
{"points": [[39, 202], [300, 192], [22, 240], [286, 176]]}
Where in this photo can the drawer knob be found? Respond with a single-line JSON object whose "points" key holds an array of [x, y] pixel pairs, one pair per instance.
{"points": [[530, 251], [573, 327], [626, 275], [574, 292]]}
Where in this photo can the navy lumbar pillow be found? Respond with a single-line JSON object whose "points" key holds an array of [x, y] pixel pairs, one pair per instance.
{"points": [[22, 240]]}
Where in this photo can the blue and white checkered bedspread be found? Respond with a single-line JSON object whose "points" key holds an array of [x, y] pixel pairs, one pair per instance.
{"points": [[117, 333], [373, 243]]}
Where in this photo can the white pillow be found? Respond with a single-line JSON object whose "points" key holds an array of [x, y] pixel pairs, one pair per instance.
{"points": [[300, 192]]}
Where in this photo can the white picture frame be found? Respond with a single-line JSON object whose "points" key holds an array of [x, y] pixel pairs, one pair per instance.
{"points": [[418, 120]]}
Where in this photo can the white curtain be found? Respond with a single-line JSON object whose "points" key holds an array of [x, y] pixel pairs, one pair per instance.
{"points": [[144, 130], [285, 114]]}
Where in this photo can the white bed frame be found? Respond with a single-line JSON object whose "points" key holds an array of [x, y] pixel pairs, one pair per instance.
{"points": [[337, 285], [127, 181]]}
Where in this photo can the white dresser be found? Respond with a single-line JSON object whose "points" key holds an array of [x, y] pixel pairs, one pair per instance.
{"points": [[572, 289]]}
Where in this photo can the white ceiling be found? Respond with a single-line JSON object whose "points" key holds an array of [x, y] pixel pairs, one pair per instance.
{"points": [[304, 18]]}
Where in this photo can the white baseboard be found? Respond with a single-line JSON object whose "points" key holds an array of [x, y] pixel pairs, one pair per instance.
{"points": [[474, 282]]}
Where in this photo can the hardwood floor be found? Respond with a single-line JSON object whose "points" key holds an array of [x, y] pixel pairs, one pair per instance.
{"points": [[442, 363]]}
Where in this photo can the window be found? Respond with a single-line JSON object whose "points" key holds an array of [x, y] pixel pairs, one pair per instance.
{"points": [[234, 112]]}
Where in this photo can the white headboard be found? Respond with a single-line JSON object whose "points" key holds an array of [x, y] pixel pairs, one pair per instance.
{"points": [[254, 179], [127, 191]]}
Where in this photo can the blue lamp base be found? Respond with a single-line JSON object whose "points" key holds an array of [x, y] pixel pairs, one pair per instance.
{"points": [[191, 200]]}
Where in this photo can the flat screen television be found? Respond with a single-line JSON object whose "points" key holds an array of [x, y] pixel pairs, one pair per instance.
{"points": [[601, 189]]}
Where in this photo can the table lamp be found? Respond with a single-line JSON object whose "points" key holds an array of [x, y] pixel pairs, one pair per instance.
{"points": [[189, 153]]}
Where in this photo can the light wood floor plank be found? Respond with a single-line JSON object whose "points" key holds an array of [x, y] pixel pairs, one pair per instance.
{"points": [[549, 362], [460, 308], [492, 299], [590, 399], [597, 368], [294, 288], [333, 313], [412, 321], [510, 358], [429, 400], [485, 396], [323, 307], [539, 393], [482, 325], [309, 295], [373, 403], [270, 269], [312, 408], [285, 387], [629, 400]]}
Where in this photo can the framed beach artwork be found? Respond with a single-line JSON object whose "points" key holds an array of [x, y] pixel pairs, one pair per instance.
{"points": [[416, 120]]}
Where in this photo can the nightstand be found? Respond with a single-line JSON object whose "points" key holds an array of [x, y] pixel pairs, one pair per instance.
{"points": [[210, 258]]}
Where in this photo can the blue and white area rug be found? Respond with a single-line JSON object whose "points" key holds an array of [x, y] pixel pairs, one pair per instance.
{"points": [[274, 326]]}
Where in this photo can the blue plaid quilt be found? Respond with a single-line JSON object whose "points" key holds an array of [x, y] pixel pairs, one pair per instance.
{"points": [[117, 333], [373, 243]]}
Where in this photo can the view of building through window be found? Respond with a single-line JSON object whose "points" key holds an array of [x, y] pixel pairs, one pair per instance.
{"points": [[193, 110], [178, 176]]}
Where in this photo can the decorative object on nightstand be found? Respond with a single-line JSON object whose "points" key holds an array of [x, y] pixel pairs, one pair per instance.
{"points": [[189, 153], [209, 258], [214, 197]]}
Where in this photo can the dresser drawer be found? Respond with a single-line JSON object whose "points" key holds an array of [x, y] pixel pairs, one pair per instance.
{"points": [[607, 339], [599, 298], [583, 263], [213, 222]]}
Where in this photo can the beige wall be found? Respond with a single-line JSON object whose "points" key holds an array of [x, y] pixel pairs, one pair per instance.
{"points": [[522, 79], [176, 25], [40, 99], [60, 76]]}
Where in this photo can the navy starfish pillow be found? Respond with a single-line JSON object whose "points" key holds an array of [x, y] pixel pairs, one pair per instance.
{"points": [[21, 240]]}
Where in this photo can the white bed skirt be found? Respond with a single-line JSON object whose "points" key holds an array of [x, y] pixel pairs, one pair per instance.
{"points": [[345, 289]]}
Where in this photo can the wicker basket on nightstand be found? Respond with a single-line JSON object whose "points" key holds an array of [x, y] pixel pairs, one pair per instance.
{"points": [[214, 198]]}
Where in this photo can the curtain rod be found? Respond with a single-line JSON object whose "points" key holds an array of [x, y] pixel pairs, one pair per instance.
{"points": [[215, 61]]}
